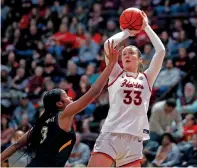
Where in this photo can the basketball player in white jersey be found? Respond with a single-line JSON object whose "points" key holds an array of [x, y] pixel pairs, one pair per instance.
{"points": [[126, 126]]}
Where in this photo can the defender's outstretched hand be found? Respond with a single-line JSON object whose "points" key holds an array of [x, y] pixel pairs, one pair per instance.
{"points": [[113, 53]]}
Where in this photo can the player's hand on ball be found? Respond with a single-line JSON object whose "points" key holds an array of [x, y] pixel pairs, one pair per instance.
{"points": [[113, 53], [145, 20], [132, 32]]}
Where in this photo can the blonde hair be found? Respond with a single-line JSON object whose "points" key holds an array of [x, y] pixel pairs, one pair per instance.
{"points": [[140, 67]]}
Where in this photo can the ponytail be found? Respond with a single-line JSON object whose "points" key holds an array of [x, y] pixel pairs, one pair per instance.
{"points": [[34, 136], [140, 67]]}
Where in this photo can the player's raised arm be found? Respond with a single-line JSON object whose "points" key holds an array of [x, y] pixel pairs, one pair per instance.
{"points": [[16, 146], [117, 38], [96, 88], [157, 60]]}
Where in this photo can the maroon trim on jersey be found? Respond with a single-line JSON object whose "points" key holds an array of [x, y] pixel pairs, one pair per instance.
{"points": [[104, 154], [136, 163], [148, 82], [115, 79], [132, 76]]}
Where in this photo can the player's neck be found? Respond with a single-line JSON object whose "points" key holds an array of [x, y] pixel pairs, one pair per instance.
{"points": [[131, 70]]}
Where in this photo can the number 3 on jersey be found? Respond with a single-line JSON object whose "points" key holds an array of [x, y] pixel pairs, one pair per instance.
{"points": [[128, 97], [44, 132]]}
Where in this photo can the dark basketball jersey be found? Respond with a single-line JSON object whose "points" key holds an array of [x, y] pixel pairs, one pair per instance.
{"points": [[55, 145]]}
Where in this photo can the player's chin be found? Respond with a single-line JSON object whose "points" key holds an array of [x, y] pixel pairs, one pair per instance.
{"points": [[127, 64]]}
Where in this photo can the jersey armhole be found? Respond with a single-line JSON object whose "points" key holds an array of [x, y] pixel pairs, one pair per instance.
{"points": [[147, 82], [112, 82]]}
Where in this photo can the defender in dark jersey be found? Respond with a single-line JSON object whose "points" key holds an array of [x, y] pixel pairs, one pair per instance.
{"points": [[52, 138], [55, 145]]}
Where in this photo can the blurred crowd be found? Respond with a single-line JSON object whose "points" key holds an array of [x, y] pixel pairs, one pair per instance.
{"points": [[59, 43]]}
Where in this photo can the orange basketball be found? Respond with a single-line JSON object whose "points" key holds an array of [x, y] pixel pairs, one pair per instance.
{"points": [[131, 19]]}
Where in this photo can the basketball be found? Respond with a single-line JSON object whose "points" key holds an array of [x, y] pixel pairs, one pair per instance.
{"points": [[131, 19]]}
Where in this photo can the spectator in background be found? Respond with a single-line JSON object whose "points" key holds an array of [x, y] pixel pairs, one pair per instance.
{"points": [[18, 159], [18, 40], [80, 38], [188, 102], [167, 77], [111, 7], [184, 42], [19, 82], [61, 38], [48, 31], [80, 34], [191, 160], [190, 127], [183, 61], [147, 55], [162, 118], [165, 39], [193, 47], [22, 64], [73, 25], [40, 49], [7, 131], [95, 17], [24, 125], [81, 15], [35, 84], [150, 150], [4, 11], [177, 26], [5, 81], [80, 153], [91, 73], [88, 51], [51, 68], [48, 85], [111, 28], [31, 70], [33, 37], [56, 7], [178, 38], [84, 85], [25, 108], [168, 154], [87, 4], [64, 12], [12, 63], [72, 74], [67, 86]]}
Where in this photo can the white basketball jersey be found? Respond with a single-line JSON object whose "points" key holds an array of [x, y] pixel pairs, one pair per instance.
{"points": [[129, 100]]}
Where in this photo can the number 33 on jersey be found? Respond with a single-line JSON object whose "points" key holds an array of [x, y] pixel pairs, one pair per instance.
{"points": [[129, 108]]}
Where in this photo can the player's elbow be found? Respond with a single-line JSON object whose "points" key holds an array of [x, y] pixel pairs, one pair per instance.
{"points": [[162, 51]]}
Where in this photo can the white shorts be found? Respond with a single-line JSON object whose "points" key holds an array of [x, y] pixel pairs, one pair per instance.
{"points": [[123, 148]]}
